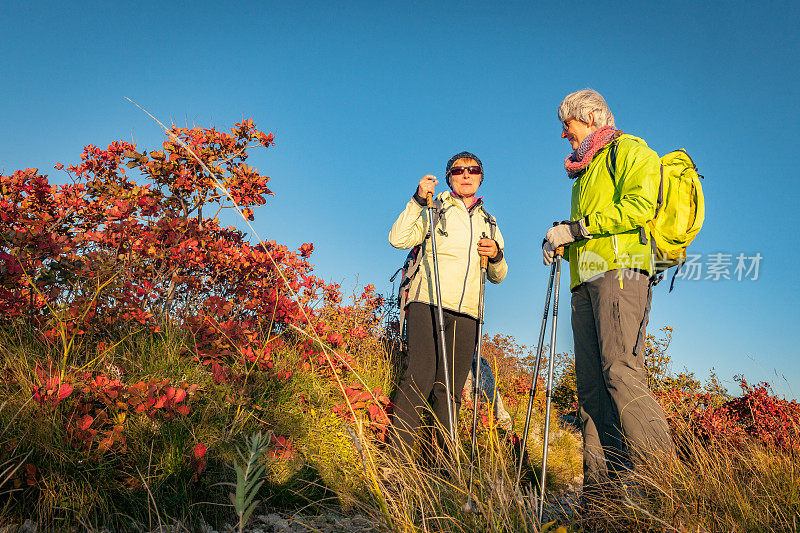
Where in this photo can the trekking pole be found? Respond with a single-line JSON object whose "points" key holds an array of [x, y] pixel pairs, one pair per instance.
{"points": [[553, 327], [440, 315], [535, 377], [469, 506]]}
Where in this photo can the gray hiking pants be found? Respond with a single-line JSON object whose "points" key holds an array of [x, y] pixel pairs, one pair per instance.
{"points": [[621, 421]]}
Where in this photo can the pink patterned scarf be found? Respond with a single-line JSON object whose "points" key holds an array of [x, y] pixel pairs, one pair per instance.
{"points": [[578, 160]]}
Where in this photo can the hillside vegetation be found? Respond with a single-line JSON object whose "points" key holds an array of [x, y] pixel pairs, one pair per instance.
{"points": [[161, 369]]}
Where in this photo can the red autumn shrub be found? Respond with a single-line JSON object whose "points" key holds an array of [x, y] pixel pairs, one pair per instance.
{"points": [[513, 365], [99, 407], [52, 390], [133, 241], [370, 405], [24, 476], [507, 359], [110, 250], [768, 419], [281, 448], [756, 416], [197, 460]]}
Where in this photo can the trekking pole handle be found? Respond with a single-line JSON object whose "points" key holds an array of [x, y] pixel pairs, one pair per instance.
{"points": [[429, 199], [560, 249], [484, 259]]}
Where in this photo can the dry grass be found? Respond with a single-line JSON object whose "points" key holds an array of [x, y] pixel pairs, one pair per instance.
{"points": [[413, 494], [335, 465], [710, 487], [340, 466]]}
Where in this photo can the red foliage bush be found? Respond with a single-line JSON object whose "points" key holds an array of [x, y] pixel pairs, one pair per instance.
{"points": [[766, 418], [98, 407], [371, 405], [107, 250], [133, 241], [281, 448], [197, 460], [756, 416], [52, 390]]}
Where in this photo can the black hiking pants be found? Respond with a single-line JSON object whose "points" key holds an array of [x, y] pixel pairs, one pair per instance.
{"points": [[621, 421], [422, 385]]}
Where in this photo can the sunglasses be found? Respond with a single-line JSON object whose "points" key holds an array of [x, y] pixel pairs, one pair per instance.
{"points": [[457, 171]]}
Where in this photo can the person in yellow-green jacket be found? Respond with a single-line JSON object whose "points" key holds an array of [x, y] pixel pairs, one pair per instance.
{"points": [[464, 232], [615, 181]]}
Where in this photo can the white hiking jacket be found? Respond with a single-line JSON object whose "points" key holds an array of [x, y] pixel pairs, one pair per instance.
{"points": [[459, 261]]}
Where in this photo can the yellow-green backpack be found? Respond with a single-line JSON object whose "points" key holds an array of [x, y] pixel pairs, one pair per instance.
{"points": [[680, 210]]}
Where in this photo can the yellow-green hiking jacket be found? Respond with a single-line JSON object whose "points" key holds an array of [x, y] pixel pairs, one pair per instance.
{"points": [[614, 210], [459, 261]]}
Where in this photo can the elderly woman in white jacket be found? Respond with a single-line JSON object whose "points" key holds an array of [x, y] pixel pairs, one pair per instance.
{"points": [[464, 232]]}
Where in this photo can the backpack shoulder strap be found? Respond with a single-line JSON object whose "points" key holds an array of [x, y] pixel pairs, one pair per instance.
{"points": [[413, 261], [491, 221], [611, 157], [611, 162], [660, 201], [439, 220]]}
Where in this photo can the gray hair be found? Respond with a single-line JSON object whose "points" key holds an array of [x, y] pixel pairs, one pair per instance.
{"points": [[579, 104]]}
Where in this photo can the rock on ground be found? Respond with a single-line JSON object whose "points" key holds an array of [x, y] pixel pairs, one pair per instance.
{"points": [[326, 523]]}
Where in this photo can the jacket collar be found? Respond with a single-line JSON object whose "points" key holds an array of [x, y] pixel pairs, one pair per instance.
{"points": [[456, 200]]}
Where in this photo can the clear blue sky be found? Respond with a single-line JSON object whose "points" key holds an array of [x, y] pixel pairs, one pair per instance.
{"points": [[365, 99]]}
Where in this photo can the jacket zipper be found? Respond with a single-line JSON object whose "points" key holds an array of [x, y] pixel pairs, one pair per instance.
{"points": [[580, 216], [469, 259]]}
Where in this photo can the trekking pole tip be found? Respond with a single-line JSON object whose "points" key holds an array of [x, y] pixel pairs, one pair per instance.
{"points": [[470, 506]]}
